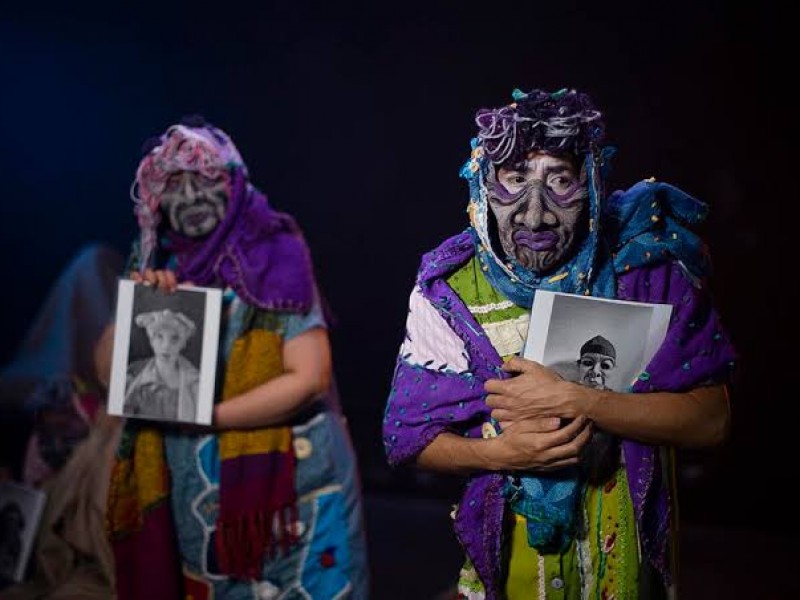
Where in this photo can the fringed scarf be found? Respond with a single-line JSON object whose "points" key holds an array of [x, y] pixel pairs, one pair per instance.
{"points": [[257, 498]]}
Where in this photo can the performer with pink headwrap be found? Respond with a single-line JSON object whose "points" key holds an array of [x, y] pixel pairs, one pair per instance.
{"points": [[266, 502]]}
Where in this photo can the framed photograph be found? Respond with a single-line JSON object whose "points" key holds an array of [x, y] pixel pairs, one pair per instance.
{"points": [[165, 353], [595, 341], [21, 509]]}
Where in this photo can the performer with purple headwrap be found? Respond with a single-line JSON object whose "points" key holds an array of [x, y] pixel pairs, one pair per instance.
{"points": [[533, 521], [266, 502]]}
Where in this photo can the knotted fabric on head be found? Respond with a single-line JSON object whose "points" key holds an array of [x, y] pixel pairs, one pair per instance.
{"points": [[563, 123], [159, 319], [192, 145], [257, 251]]}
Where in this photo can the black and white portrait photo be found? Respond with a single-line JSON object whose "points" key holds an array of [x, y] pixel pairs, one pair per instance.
{"points": [[20, 511], [165, 352], [597, 342]]}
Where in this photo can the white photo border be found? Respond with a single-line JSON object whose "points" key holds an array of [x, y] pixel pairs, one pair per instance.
{"points": [[208, 358]]}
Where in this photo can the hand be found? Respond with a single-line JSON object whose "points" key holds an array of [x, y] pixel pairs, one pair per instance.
{"points": [[534, 444], [164, 279], [534, 392]]}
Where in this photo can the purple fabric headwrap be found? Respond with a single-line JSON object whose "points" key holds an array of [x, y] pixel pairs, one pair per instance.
{"points": [[259, 252]]}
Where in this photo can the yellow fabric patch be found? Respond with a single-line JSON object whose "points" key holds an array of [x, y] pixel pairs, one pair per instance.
{"points": [[137, 485], [255, 359]]}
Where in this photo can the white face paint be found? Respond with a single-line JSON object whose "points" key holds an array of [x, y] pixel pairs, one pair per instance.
{"points": [[595, 369], [194, 204]]}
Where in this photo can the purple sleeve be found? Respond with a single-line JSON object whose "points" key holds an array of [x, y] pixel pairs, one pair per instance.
{"points": [[697, 350], [423, 403]]}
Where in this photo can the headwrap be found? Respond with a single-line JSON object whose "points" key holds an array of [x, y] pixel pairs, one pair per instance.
{"points": [[565, 123], [256, 250], [158, 319]]}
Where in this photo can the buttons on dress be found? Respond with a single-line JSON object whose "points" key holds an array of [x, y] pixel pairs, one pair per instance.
{"points": [[302, 447], [557, 583]]}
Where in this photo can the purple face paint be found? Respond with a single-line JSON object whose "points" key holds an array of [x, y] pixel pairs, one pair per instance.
{"points": [[536, 240], [539, 206]]}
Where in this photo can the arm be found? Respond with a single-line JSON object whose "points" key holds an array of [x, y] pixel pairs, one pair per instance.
{"points": [[306, 377], [695, 418], [531, 444]]}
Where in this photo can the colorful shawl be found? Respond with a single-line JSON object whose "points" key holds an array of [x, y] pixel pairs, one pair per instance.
{"points": [[425, 401]]}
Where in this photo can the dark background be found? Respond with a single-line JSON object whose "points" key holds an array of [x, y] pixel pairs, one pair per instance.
{"points": [[356, 118]]}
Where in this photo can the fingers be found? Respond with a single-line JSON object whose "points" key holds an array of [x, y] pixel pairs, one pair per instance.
{"points": [[495, 386], [539, 425], [561, 448], [515, 364], [164, 279], [574, 429], [498, 401]]}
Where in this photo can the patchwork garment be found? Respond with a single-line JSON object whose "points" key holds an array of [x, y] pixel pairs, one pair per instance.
{"points": [[249, 514], [456, 337]]}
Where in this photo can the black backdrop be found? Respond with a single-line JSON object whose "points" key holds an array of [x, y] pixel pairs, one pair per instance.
{"points": [[356, 117]]}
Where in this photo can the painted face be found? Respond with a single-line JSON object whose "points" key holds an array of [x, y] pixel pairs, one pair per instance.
{"points": [[194, 204], [595, 369], [540, 206], [166, 341]]}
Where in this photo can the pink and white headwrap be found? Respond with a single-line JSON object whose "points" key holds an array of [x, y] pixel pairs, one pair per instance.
{"points": [[203, 149]]}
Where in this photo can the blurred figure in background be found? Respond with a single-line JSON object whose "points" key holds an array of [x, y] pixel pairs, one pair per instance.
{"points": [[63, 441]]}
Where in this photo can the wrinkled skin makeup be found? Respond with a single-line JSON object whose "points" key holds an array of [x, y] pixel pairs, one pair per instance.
{"points": [[540, 206], [594, 369], [194, 204]]}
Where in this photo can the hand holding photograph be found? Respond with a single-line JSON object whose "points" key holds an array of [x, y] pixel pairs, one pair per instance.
{"points": [[165, 353], [594, 341]]}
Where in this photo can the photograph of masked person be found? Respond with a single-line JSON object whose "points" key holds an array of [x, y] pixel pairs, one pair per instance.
{"points": [[599, 457], [464, 401], [266, 501], [598, 357], [164, 386]]}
